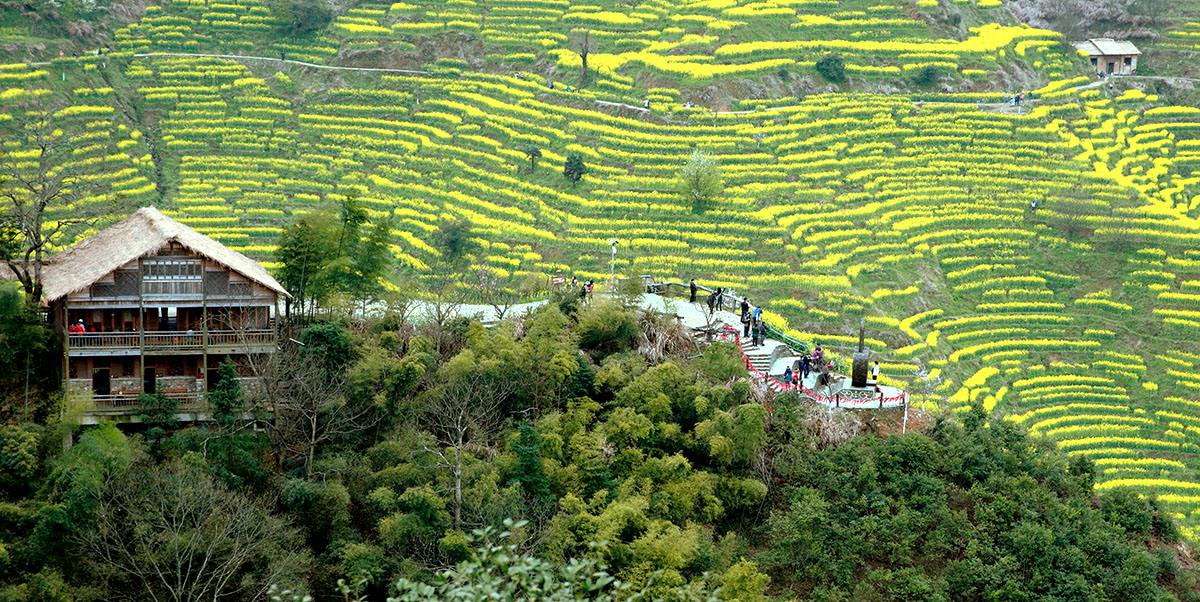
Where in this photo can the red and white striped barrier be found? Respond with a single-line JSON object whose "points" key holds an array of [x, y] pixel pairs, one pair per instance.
{"points": [[731, 334]]}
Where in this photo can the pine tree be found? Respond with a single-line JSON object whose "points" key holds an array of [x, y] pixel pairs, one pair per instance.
{"points": [[226, 395], [574, 169], [528, 471]]}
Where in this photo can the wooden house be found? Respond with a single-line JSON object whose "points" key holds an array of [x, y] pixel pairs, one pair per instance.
{"points": [[149, 305]]}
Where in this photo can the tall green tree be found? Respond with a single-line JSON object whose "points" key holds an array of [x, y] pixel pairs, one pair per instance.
{"points": [[236, 454], [700, 181], [372, 262], [453, 240], [325, 254], [24, 343], [574, 168], [225, 397], [305, 251], [528, 472]]}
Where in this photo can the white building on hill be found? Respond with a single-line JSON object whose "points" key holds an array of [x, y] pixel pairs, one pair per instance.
{"points": [[1109, 56]]}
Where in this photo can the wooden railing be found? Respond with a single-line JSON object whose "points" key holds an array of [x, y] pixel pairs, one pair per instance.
{"points": [[241, 337], [182, 341], [129, 401], [170, 340], [102, 340]]}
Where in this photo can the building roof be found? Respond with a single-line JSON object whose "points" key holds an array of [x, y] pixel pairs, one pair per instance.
{"points": [[143, 233], [1106, 47]]}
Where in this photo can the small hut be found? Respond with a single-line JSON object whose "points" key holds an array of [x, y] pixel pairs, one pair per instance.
{"points": [[1109, 56]]}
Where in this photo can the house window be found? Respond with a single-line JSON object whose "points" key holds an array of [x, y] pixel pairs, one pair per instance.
{"points": [[171, 270], [1128, 61], [172, 276]]}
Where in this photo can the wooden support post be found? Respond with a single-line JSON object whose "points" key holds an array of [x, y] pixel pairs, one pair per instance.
{"points": [[142, 324], [66, 356], [203, 331]]}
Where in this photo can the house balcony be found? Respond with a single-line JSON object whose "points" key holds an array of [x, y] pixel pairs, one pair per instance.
{"points": [[123, 396], [171, 343]]}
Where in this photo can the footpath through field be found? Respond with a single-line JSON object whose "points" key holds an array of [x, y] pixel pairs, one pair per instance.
{"points": [[1004, 107]]}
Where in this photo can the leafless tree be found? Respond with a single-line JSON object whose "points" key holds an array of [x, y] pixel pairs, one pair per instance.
{"points": [[443, 307], [1075, 18], [308, 403], [585, 48], [662, 335], [41, 185], [503, 291], [172, 533], [711, 322], [463, 416], [399, 304]]}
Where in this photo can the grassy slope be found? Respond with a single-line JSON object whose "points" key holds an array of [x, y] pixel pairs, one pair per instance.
{"points": [[836, 206]]}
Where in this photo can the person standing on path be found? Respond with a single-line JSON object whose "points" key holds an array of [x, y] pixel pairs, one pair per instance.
{"points": [[712, 302], [692, 286], [875, 371], [720, 298], [745, 317], [805, 366]]}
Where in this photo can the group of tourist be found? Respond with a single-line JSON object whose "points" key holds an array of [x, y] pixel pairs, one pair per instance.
{"points": [[584, 289], [715, 301], [754, 328], [805, 365], [752, 323]]}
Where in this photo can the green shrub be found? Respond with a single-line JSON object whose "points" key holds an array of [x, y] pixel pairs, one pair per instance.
{"points": [[302, 16], [606, 328], [832, 67], [927, 76]]}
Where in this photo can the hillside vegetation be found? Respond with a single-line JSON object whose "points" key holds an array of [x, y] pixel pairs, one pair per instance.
{"points": [[668, 475], [1039, 262]]}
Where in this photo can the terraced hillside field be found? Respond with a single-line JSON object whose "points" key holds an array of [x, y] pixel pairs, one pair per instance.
{"points": [[1039, 261]]}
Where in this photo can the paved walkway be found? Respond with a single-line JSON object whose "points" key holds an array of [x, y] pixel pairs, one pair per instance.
{"points": [[765, 363]]}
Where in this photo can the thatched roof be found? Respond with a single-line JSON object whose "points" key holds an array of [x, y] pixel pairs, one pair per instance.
{"points": [[143, 233]]}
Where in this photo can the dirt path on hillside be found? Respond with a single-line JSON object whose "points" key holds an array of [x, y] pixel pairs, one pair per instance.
{"points": [[997, 107], [281, 60]]}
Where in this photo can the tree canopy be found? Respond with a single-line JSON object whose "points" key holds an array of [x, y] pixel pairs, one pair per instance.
{"points": [[561, 453]]}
